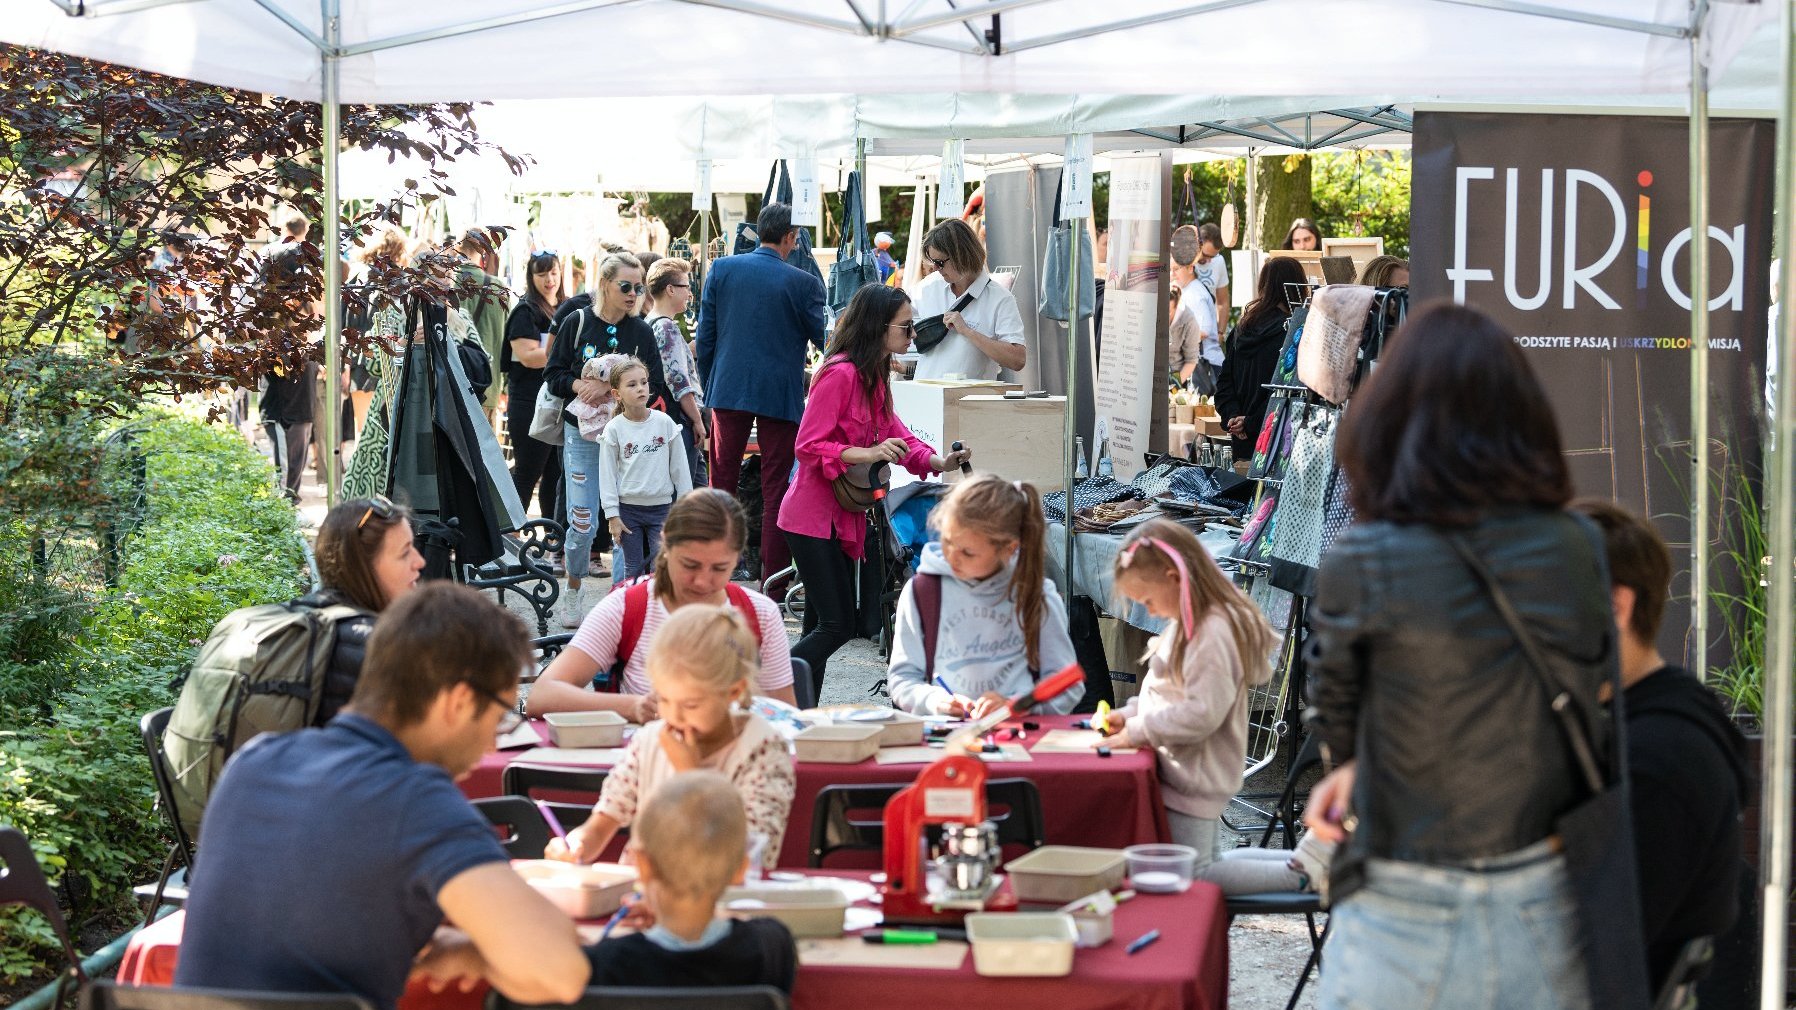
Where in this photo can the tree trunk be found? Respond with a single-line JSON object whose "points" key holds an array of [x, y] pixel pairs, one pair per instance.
{"points": [[1284, 196]]}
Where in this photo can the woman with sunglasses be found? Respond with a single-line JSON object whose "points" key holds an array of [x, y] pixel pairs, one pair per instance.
{"points": [[670, 294], [848, 421], [609, 326], [985, 330], [366, 560], [535, 465]]}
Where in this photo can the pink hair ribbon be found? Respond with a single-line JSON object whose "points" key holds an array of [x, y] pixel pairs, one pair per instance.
{"points": [[1178, 561]]}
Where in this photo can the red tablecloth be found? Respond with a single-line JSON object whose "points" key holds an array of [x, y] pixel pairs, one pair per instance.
{"points": [[1105, 802], [1186, 969]]}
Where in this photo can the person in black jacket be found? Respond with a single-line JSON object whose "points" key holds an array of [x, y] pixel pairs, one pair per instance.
{"points": [[690, 842], [1450, 771], [1251, 354], [1687, 761], [367, 560], [535, 465], [610, 326]]}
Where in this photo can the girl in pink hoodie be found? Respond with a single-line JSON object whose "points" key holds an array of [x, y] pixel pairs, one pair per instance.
{"points": [[1192, 709]]}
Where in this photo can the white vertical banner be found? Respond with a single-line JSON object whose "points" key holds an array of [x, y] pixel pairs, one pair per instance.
{"points": [[951, 195], [807, 196], [701, 190], [1075, 186], [1128, 388], [872, 200]]}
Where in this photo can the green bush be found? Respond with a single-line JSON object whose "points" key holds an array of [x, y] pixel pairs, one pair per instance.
{"points": [[214, 536]]}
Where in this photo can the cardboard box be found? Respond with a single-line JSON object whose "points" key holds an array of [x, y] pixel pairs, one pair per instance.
{"points": [[1016, 439], [1212, 426]]}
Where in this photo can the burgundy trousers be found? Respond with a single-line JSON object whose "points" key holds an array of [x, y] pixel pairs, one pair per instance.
{"points": [[776, 437]]}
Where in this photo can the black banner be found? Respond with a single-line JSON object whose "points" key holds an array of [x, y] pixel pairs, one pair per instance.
{"points": [[1574, 233]]}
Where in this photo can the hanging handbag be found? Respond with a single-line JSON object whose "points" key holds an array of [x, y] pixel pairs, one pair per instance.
{"points": [[1056, 264], [1598, 833], [1302, 503], [1328, 358], [545, 419], [854, 267], [861, 486], [779, 190]]}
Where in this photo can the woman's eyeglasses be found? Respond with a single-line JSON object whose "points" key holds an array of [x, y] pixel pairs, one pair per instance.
{"points": [[626, 287], [378, 505], [938, 263]]}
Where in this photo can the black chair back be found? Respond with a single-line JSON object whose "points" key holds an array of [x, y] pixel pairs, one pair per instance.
{"points": [[559, 782], [1309, 755], [106, 995], [751, 997], [852, 818], [152, 727], [526, 832], [22, 883], [803, 690]]}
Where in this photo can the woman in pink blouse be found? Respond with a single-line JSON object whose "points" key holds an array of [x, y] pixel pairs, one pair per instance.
{"points": [[848, 420]]}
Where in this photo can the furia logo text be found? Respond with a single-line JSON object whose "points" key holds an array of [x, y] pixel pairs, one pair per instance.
{"points": [[1574, 276]]}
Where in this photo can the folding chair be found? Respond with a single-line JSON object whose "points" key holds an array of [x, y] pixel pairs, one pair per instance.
{"points": [[1305, 903], [803, 690], [108, 995], [526, 831], [526, 780], [171, 886], [22, 883], [752, 997], [852, 818], [1692, 966]]}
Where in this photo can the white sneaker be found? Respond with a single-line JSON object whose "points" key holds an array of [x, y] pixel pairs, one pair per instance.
{"points": [[572, 606]]}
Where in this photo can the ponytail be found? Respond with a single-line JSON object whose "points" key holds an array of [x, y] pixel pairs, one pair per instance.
{"points": [[1001, 510]]}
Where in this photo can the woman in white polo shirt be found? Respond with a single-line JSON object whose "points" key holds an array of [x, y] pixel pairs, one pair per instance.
{"points": [[986, 334]]}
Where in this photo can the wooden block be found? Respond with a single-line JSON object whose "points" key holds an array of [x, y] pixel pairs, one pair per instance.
{"points": [[1016, 439]]}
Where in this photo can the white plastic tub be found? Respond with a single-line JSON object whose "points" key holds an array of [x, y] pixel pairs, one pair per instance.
{"points": [[1019, 944], [837, 743], [813, 911], [583, 892], [1062, 873], [1161, 869], [586, 729]]}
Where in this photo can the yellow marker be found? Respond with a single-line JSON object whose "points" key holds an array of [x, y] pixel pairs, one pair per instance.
{"points": [[1100, 720]]}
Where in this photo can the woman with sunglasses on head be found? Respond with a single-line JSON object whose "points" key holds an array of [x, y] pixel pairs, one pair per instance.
{"points": [[848, 421], [535, 465], [366, 560], [670, 293], [986, 332], [609, 326]]}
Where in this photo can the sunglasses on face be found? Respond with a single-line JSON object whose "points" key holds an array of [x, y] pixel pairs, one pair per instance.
{"points": [[910, 328], [379, 505], [543, 254], [510, 719], [626, 287], [939, 263]]}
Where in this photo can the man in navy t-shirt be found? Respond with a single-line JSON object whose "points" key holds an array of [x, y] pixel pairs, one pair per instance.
{"points": [[333, 855]]}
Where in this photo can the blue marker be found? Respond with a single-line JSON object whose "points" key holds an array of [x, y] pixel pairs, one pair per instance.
{"points": [[1143, 940]]}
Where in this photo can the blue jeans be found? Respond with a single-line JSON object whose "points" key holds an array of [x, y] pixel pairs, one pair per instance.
{"points": [[642, 537], [1501, 936], [580, 467]]}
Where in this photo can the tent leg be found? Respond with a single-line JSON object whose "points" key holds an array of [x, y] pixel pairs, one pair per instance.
{"points": [[1774, 815], [1072, 391], [1700, 518], [332, 248]]}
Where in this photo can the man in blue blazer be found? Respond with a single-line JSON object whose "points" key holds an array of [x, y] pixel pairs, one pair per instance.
{"points": [[756, 316]]}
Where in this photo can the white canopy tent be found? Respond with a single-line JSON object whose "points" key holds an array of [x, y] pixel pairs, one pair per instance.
{"points": [[984, 69]]}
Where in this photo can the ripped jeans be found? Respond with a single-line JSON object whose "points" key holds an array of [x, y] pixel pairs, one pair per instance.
{"points": [[580, 469]]}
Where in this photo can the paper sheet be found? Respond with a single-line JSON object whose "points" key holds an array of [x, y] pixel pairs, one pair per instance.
{"points": [[1074, 741], [582, 757], [929, 755], [524, 736], [853, 952]]}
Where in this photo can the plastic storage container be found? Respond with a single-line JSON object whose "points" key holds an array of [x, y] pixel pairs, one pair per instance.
{"points": [[1160, 869], [586, 729], [896, 729], [806, 911], [583, 892], [1034, 944], [1062, 873], [837, 743]]}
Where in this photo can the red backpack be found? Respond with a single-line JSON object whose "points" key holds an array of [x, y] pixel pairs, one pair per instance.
{"points": [[636, 614]]}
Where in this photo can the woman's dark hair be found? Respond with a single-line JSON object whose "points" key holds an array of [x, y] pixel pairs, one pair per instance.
{"points": [[1272, 297], [544, 263], [348, 542], [861, 336], [1451, 424], [1302, 224]]}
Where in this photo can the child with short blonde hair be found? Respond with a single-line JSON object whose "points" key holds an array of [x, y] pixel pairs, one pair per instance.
{"points": [[700, 668], [642, 468], [690, 843]]}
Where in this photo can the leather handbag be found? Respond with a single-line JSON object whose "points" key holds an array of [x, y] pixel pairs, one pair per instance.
{"points": [[862, 485], [1056, 264], [1598, 833], [854, 267]]}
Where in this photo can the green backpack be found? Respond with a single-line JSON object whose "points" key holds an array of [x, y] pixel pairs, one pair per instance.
{"points": [[261, 671]]}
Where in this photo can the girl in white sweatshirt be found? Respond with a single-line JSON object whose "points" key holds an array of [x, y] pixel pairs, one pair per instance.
{"points": [[1192, 709], [979, 624], [642, 468]]}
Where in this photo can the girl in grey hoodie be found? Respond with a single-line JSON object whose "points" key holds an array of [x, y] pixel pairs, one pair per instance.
{"points": [[979, 624]]}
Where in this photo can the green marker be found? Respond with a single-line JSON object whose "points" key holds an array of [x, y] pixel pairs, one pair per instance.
{"points": [[897, 936]]}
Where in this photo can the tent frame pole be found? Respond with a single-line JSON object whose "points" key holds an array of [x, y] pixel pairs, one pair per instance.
{"points": [[331, 247], [1700, 518], [1072, 388], [1775, 800]]}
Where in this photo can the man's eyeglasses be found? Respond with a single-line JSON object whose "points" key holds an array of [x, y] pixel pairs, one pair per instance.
{"points": [[378, 505], [626, 287], [510, 718], [910, 328]]}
